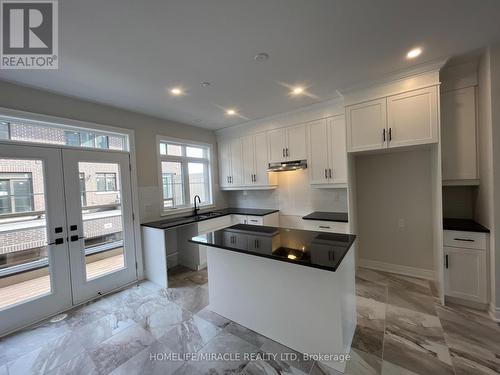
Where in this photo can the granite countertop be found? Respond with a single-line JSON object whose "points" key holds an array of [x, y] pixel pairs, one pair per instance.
{"points": [[305, 248], [190, 219], [465, 225], [327, 216]]}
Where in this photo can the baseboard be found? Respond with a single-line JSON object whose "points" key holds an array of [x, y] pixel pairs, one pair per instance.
{"points": [[396, 268], [494, 312], [472, 304]]}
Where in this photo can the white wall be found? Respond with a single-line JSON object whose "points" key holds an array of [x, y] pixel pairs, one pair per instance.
{"points": [[294, 196], [394, 208], [146, 129]]}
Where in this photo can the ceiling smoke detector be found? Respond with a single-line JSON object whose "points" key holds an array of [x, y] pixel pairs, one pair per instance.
{"points": [[261, 56], [205, 84]]}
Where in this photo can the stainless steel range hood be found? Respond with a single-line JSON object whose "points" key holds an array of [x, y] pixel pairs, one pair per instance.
{"points": [[287, 166]]}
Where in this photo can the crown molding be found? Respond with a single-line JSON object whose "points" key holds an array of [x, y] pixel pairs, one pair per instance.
{"points": [[433, 66]]}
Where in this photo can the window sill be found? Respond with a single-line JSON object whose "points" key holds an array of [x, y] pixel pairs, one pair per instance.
{"points": [[184, 210]]}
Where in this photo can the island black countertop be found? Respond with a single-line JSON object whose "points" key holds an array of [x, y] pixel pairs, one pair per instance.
{"points": [[327, 216], [190, 219], [306, 248], [465, 225]]}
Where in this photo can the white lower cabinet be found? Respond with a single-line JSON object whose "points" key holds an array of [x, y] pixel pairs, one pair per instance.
{"points": [[271, 220], [465, 267], [296, 222]]}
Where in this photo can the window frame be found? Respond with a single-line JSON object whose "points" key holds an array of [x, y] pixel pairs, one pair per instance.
{"points": [[12, 196], [106, 176], [185, 160]]}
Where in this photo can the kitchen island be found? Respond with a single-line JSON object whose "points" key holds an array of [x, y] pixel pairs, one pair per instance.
{"points": [[296, 287]]}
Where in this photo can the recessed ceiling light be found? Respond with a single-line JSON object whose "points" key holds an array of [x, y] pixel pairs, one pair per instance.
{"points": [[231, 112], [297, 90], [176, 91], [414, 53], [205, 84], [261, 56]]}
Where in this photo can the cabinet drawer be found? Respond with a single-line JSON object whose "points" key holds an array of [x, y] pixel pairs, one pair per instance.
{"points": [[255, 220], [326, 226], [468, 240]]}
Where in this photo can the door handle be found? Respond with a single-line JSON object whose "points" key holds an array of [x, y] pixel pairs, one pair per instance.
{"points": [[383, 134], [287, 154], [390, 134], [330, 172], [58, 241], [283, 152], [326, 173], [76, 238], [463, 239], [446, 261]]}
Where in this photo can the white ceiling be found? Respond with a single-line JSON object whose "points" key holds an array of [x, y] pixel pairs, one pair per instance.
{"points": [[128, 53]]}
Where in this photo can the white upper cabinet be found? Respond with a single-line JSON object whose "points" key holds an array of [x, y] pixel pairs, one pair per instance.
{"points": [[327, 155], [318, 155], [261, 176], [406, 119], [243, 163], [224, 148], [277, 145], [296, 148], [459, 139], [248, 159], [236, 162], [412, 117], [367, 125], [287, 144]]}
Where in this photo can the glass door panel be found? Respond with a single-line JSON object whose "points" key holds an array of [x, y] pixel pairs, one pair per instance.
{"points": [[98, 197], [102, 218], [34, 271]]}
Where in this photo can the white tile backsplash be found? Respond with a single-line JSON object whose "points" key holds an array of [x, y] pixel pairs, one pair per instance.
{"points": [[294, 196]]}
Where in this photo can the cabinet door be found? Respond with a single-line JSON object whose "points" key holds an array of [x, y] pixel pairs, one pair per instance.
{"points": [[261, 160], [465, 274], [458, 130], [366, 124], [248, 159], [412, 117], [296, 148], [338, 153], [236, 163], [318, 152], [224, 148], [277, 145]]}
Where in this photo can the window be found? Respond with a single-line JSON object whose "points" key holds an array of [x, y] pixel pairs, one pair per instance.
{"points": [[106, 182], [185, 173], [27, 130], [85, 139], [16, 193]]}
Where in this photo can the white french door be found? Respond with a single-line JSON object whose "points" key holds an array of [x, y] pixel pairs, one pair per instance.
{"points": [[66, 229], [100, 224]]}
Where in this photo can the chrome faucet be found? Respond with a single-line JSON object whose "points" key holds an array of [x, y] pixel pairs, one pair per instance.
{"points": [[196, 208]]}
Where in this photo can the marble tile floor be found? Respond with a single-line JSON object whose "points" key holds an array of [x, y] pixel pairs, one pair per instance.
{"points": [[402, 329]]}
